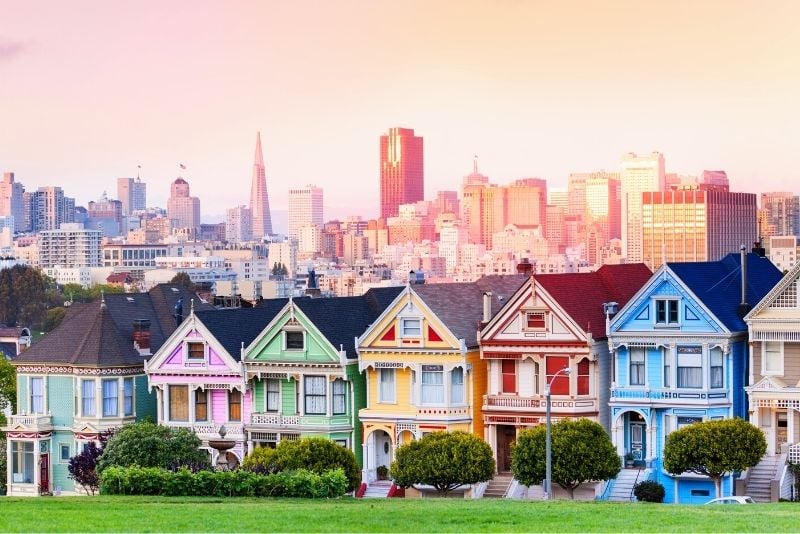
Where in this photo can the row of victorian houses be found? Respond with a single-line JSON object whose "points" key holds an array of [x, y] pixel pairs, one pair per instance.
{"points": [[647, 354]]}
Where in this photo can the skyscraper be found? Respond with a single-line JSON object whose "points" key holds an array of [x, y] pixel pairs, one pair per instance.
{"points": [[237, 224], [259, 198], [132, 193], [637, 175], [11, 201], [305, 207], [48, 209], [780, 214], [402, 174], [182, 209]]}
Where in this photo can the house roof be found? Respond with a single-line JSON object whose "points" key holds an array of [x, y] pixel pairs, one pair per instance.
{"points": [[232, 327], [582, 295], [9, 350], [718, 284], [100, 334], [460, 305], [342, 319]]}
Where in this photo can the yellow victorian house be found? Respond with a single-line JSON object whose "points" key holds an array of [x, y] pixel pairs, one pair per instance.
{"points": [[422, 363]]}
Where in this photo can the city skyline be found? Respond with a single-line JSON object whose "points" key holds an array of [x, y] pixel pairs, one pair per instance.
{"points": [[545, 91]]}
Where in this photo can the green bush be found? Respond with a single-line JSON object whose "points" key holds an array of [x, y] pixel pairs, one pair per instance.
{"points": [[3, 464], [317, 455], [149, 445], [649, 491], [302, 483]]}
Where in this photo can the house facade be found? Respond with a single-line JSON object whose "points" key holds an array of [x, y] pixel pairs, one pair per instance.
{"points": [[81, 379], [302, 370], [774, 370], [680, 355], [553, 322], [422, 365]]}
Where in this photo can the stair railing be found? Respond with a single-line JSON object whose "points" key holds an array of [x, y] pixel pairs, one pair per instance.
{"points": [[633, 488]]}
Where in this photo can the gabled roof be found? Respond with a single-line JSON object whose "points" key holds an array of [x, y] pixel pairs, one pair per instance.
{"points": [[460, 305], [232, 327], [101, 334], [718, 284], [787, 280], [342, 319], [582, 295]]}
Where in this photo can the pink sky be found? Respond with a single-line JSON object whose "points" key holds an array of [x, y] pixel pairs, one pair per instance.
{"points": [[89, 90]]}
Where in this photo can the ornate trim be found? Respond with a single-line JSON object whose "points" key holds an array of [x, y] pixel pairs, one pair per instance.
{"points": [[81, 371]]}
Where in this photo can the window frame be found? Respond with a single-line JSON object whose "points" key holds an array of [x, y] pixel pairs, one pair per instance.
{"points": [[527, 320], [433, 388], [171, 405], [197, 393], [85, 398], [711, 367], [61, 458], [459, 387], [506, 376], [27, 459], [383, 396], [667, 312], [41, 395], [268, 394], [678, 366], [125, 412], [113, 408], [781, 357], [192, 355], [404, 325], [640, 364], [341, 396], [287, 333], [317, 398], [235, 395]]}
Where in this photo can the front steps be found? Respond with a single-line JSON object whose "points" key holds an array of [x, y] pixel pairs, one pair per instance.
{"points": [[623, 485], [378, 489], [759, 480], [498, 486]]}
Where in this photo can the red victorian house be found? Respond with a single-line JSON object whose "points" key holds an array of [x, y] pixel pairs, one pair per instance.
{"points": [[553, 322]]}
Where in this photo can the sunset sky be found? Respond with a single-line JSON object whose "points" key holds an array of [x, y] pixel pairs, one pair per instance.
{"points": [[90, 90]]}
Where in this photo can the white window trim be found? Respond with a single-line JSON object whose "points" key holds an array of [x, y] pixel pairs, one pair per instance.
{"points": [[97, 384], [284, 340], [266, 395], [133, 397], [60, 446], [764, 371], [644, 384], [381, 400], [667, 324], [526, 328], [403, 334], [195, 361], [29, 400]]}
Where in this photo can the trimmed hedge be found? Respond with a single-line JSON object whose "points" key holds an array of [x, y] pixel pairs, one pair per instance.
{"points": [[649, 491], [137, 480]]}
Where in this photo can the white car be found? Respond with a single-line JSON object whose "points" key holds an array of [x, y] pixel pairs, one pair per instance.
{"points": [[733, 499]]}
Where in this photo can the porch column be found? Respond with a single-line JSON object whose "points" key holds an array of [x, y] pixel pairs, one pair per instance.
{"points": [[652, 427], [618, 435]]}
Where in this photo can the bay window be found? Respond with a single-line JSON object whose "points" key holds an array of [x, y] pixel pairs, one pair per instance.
{"points": [[273, 394], [37, 395], [457, 386], [559, 385], [690, 367], [386, 387], [773, 359], [637, 367], [22, 462], [583, 377], [178, 403], [234, 405], [339, 393], [432, 384], [127, 393], [88, 398], [314, 389], [508, 372], [716, 377], [110, 397]]}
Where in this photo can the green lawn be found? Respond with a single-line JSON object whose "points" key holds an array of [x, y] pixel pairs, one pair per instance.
{"points": [[150, 514]]}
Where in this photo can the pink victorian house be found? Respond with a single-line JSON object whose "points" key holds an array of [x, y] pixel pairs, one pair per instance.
{"points": [[198, 377]]}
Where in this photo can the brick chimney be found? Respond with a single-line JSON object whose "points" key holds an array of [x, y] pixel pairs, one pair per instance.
{"points": [[141, 336]]}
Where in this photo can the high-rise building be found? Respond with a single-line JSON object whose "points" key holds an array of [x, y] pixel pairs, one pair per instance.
{"points": [[695, 224], [779, 214], [603, 209], [133, 194], [259, 198], [237, 225], [12, 201], [305, 207], [637, 175], [47, 209], [402, 174], [70, 246], [105, 215], [182, 209], [526, 203]]}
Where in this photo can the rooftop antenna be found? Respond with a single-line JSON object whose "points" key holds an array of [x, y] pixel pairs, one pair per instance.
{"points": [[138, 172], [475, 164]]}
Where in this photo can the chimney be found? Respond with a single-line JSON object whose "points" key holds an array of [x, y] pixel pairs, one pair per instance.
{"points": [[141, 336], [525, 266], [487, 306], [744, 307]]}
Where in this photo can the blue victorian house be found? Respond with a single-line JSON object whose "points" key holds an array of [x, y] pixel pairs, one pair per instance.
{"points": [[679, 352]]}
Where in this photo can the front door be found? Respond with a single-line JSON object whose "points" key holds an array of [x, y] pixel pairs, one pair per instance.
{"points": [[383, 449], [505, 437], [637, 441], [781, 427], [44, 473]]}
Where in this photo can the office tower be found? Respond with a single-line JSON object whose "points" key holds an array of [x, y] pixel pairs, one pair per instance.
{"points": [[779, 214], [716, 181], [132, 193], [12, 201], [305, 207], [104, 215], [637, 175], [452, 238], [695, 224], [47, 209], [182, 209], [558, 196], [238, 224], [555, 228], [402, 174], [526, 203], [602, 204], [72, 245], [447, 202], [259, 198]]}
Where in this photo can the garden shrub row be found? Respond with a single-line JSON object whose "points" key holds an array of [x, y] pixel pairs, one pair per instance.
{"points": [[137, 480]]}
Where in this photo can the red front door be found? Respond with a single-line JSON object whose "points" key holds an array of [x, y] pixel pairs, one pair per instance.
{"points": [[44, 473]]}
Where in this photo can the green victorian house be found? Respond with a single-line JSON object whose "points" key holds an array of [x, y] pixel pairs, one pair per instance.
{"points": [[303, 370], [81, 379]]}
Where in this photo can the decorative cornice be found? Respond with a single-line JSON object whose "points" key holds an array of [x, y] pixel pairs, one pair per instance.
{"points": [[80, 371]]}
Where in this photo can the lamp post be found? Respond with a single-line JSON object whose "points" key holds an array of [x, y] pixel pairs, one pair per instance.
{"points": [[548, 480]]}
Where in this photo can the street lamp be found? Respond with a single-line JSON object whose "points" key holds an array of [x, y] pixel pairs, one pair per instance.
{"points": [[548, 480]]}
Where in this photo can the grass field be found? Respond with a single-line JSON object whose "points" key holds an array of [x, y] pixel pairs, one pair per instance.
{"points": [[156, 514]]}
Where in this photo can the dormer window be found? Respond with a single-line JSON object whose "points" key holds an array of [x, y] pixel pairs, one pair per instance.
{"points": [[411, 327], [295, 340], [195, 351], [667, 312], [535, 320]]}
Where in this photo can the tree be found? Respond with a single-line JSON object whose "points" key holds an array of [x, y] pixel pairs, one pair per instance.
{"points": [[581, 452], [52, 318], [25, 294], [318, 455], [714, 449], [182, 279], [3, 462], [149, 445], [444, 460], [8, 385]]}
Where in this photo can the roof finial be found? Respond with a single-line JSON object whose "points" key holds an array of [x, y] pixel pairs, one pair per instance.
{"points": [[475, 164], [191, 306]]}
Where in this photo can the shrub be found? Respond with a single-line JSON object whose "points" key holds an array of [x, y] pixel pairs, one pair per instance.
{"points": [[137, 480], [82, 467], [317, 455], [444, 460], [3, 464], [149, 445], [649, 491]]}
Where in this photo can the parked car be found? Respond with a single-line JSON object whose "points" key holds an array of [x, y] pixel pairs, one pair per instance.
{"points": [[733, 499]]}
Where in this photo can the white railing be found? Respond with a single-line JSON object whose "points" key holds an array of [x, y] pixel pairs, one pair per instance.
{"points": [[30, 421], [508, 401], [794, 453], [680, 396], [211, 429], [274, 419]]}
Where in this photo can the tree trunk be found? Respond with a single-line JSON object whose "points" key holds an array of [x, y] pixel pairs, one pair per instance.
{"points": [[571, 493], [717, 486]]}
